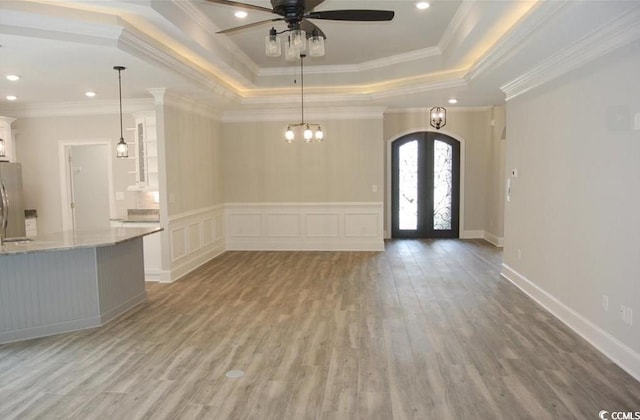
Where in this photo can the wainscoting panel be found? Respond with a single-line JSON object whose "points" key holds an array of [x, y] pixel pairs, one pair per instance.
{"points": [[305, 226], [196, 237]]}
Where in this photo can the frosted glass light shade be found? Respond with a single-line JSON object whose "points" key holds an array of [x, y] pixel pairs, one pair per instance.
{"points": [[299, 40], [122, 149], [290, 52], [319, 135], [308, 134], [273, 46], [289, 135], [316, 46]]}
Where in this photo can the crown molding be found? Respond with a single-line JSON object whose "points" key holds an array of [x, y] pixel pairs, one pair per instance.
{"points": [[139, 45], [514, 41], [78, 108], [203, 21], [162, 97], [427, 109], [289, 114], [607, 37], [355, 68], [454, 25]]}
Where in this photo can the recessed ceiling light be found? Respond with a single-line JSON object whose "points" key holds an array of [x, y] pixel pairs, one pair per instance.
{"points": [[241, 14], [422, 5], [453, 101], [90, 94], [13, 77], [11, 98]]}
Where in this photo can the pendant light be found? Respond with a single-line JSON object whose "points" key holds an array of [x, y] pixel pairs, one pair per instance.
{"points": [[438, 117], [308, 133], [122, 149]]}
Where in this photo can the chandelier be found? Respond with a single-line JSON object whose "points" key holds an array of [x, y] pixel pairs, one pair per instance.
{"points": [[296, 43], [438, 117], [311, 130]]}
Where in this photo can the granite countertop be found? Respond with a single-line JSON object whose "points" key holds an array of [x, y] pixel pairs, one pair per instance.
{"points": [[75, 239]]}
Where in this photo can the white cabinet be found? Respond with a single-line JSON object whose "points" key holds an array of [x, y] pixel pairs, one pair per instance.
{"points": [[146, 152], [7, 139], [151, 249]]}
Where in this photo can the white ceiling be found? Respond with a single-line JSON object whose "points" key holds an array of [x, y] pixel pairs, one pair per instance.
{"points": [[473, 50]]}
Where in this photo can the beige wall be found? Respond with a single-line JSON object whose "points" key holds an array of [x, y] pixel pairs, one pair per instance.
{"points": [[574, 216], [37, 149], [260, 167], [193, 166], [473, 128], [496, 176]]}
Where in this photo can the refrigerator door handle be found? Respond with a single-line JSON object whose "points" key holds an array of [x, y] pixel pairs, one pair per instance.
{"points": [[5, 207]]}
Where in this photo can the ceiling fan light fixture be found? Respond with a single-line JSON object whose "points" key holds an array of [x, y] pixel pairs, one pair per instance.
{"points": [[290, 52], [319, 134], [316, 45], [299, 40], [273, 46]]}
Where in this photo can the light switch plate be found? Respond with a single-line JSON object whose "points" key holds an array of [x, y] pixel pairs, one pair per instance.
{"points": [[119, 196]]}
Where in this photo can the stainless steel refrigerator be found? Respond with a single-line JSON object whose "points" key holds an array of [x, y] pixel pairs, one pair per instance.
{"points": [[11, 202]]}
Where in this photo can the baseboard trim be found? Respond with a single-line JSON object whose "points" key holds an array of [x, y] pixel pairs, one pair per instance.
{"points": [[328, 245], [50, 329], [493, 239], [194, 261], [614, 349], [123, 308], [472, 234]]}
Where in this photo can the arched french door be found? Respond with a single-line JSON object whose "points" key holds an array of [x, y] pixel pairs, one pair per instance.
{"points": [[425, 186]]}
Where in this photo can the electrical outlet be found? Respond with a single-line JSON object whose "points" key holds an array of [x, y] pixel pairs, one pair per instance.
{"points": [[629, 316], [623, 313], [605, 303]]}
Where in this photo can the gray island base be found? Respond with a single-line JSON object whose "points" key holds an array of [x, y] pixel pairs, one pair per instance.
{"points": [[69, 281]]}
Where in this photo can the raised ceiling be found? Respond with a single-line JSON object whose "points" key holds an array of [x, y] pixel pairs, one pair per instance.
{"points": [[477, 51]]}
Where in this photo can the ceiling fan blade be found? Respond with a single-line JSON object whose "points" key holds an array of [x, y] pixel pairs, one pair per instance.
{"points": [[250, 25], [357, 15], [312, 4], [309, 27], [240, 5]]}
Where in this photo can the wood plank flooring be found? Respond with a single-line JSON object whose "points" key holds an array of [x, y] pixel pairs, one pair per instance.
{"points": [[425, 330]]}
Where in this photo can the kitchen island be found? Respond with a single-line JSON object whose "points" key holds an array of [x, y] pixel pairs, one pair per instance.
{"points": [[70, 280]]}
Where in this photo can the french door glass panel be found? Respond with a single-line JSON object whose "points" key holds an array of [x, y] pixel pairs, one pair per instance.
{"points": [[425, 186], [408, 186], [442, 185]]}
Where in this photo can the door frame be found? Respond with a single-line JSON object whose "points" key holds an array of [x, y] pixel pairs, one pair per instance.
{"points": [[389, 166], [65, 172]]}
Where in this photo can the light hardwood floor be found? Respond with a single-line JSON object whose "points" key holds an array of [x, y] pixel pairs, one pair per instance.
{"points": [[427, 330]]}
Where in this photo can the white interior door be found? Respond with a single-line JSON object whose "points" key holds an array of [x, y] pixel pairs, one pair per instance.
{"points": [[89, 173]]}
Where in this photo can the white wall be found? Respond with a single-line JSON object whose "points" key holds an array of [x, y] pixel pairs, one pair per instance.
{"points": [[572, 231], [36, 141]]}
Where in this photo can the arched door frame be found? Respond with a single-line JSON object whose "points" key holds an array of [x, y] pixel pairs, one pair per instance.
{"points": [[388, 197]]}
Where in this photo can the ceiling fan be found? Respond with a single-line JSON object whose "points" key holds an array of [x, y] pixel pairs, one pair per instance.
{"points": [[297, 12]]}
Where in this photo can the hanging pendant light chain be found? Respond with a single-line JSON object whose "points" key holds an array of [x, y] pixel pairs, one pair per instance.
{"points": [[302, 84], [120, 95]]}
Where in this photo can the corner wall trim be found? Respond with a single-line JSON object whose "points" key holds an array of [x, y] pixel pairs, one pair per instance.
{"points": [[614, 349], [493, 239]]}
